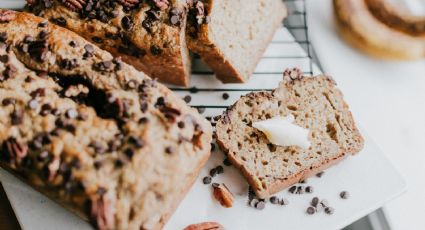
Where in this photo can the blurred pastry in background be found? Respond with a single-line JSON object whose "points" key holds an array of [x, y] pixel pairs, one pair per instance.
{"points": [[381, 28]]}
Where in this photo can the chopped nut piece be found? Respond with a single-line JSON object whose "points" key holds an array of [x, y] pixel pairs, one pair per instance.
{"points": [[223, 195]]}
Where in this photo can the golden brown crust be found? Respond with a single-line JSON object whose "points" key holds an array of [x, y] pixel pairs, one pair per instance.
{"points": [[129, 184], [142, 35], [362, 29]]}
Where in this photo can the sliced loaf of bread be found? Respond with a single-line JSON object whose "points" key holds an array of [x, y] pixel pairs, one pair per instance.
{"points": [[231, 36], [316, 104]]}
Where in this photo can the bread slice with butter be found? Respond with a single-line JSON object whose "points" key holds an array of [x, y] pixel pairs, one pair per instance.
{"points": [[316, 105]]}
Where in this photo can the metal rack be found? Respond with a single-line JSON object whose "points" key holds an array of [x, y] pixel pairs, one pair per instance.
{"points": [[290, 48]]}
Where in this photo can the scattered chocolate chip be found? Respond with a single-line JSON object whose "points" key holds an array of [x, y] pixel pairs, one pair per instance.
{"points": [[43, 24], [59, 21], [175, 16], [293, 189], [126, 23], [274, 200], [206, 180], [143, 120], [170, 150], [213, 172], [212, 147], [102, 66], [139, 143], [314, 202], [215, 185], [260, 205], [43, 34], [284, 201], [344, 195], [97, 164], [17, 117], [225, 96], [129, 153], [300, 190], [40, 92], [89, 51], [320, 174], [187, 98], [4, 58], [329, 210], [155, 50], [8, 101], [324, 203], [227, 162], [45, 109], [309, 189], [160, 102], [68, 64], [3, 36], [181, 124], [311, 210], [219, 169], [201, 110]]}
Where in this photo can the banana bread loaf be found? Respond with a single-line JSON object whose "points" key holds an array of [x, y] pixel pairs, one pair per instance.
{"points": [[231, 36], [90, 131], [148, 34], [316, 104]]}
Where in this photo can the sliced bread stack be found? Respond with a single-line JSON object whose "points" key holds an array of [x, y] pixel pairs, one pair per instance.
{"points": [[316, 104]]}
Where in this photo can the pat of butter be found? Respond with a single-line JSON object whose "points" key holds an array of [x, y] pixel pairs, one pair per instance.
{"points": [[281, 131]]}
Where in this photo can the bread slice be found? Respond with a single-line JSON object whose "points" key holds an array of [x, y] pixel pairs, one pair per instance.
{"points": [[92, 132], [147, 34], [231, 36], [317, 105]]}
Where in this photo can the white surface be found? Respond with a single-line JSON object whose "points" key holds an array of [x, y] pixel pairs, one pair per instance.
{"points": [[388, 99], [369, 177]]}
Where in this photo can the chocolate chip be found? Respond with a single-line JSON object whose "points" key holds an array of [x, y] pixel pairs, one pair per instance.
{"points": [[45, 109], [187, 98], [175, 16], [311, 210], [324, 203], [213, 172], [98, 147], [344, 195], [89, 50], [33, 104], [201, 110], [97, 39], [320, 174], [309, 189], [129, 153], [3, 36], [260, 205], [40, 92], [37, 50], [72, 113], [143, 120], [97, 164], [160, 101], [126, 23], [68, 64], [59, 21], [181, 124], [215, 185], [225, 96], [274, 200], [300, 190], [155, 50], [329, 210], [227, 162], [8, 101], [206, 180], [43, 34], [136, 141], [314, 202], [293, 189], [169, 150], [219, 169], [102, 66], [252, 202], [4, 58], [17, 117], [43, 24], [284, 201]]}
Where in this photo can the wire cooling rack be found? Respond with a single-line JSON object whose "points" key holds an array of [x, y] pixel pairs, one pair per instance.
{"points": [[290, 48]]}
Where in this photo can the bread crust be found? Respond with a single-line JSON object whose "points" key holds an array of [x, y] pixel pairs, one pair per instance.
{"points": [[360, 28], [172, 62], [190, 145], [283, 183], [205, 45]]}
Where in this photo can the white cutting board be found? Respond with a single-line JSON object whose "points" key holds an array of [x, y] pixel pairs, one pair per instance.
{"points": [[369, 177]]}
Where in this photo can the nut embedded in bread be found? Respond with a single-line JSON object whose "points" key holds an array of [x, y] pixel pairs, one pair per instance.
{"points": [[231, 36], [317, 105], [380, 29], [90, 131], [148, 34]]}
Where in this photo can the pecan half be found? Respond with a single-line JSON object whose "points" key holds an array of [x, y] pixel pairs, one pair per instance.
{"points": [[74, 5], [205, 226], [129, 3], [223, 195], [161, 4], [13, 150], [6, 15]]}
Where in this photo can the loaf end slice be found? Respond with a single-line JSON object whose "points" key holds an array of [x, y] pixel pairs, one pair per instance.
{"points": [[90, 131], [149, 35], [231, 36], [317, 105]]}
